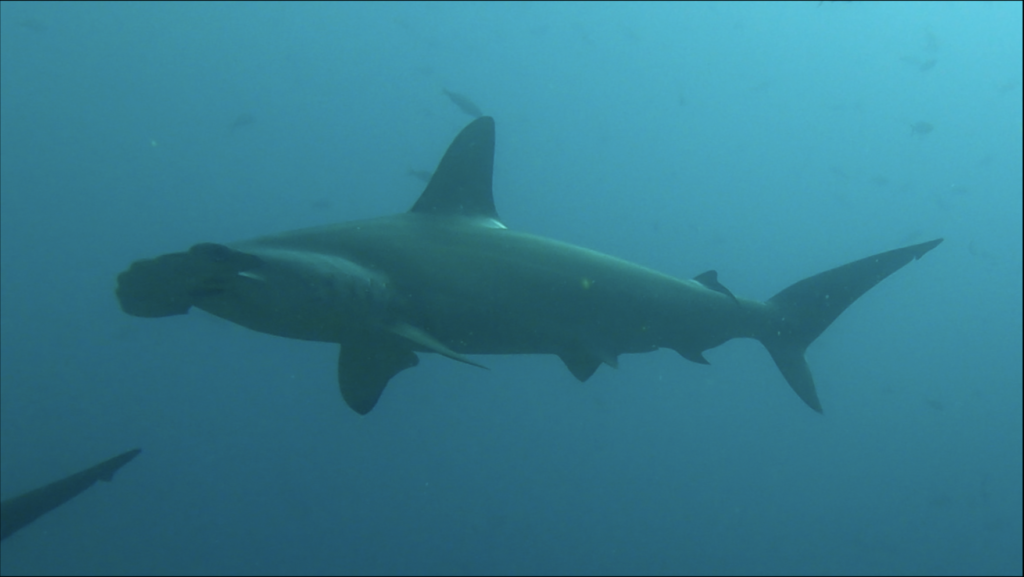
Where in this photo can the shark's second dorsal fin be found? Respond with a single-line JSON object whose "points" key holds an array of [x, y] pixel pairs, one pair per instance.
{"points": [[710, 280], [461, 185]]}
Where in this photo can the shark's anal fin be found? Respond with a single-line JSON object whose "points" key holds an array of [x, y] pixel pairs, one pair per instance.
{"points": [[366, 365], [461, 185], [710, 280], [428, 342]]}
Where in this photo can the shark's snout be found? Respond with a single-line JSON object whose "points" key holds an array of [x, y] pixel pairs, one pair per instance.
{"points": [[170, 284]]}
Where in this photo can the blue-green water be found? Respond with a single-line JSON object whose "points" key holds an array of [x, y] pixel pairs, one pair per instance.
{"points": [[766, 141]]}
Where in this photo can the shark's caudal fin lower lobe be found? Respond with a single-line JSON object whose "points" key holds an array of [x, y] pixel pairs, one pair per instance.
{"points": [[805, 309]]}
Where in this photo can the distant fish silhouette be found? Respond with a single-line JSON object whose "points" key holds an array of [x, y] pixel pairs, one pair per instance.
{"points": [[839, 173], [465, 104], [921, 129], [959, 189], [242, 120], [423, 175], [37, 26], [19, 511], [927, 65]]}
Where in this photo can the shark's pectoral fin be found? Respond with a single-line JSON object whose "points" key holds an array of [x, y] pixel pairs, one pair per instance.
{"points": [[169, 284], [421, 338], [366, 365]]}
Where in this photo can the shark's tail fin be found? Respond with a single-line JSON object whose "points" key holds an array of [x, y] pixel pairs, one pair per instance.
{"points": [[805, 309]]}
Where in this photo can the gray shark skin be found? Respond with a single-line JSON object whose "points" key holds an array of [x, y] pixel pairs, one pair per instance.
{"points": [[447, 277], [18, 512]]}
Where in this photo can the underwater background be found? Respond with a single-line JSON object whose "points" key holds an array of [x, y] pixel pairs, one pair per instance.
{"points": [[767, 141]]}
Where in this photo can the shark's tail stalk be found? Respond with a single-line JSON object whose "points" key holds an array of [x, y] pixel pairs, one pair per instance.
{"points": [[805, 309]]}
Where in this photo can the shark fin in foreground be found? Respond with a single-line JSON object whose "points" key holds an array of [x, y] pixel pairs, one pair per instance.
{"points": [[447, 277], [19, 511]]}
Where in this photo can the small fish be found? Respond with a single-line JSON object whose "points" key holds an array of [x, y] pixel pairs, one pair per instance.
{"points": [[243, 119], [959, 189], [37, 26], [922, 128], [465, 104], [927, 65], [839, 173]]}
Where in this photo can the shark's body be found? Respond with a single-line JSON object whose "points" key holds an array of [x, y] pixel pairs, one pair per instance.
{"points": [[448, 277], [17, 512]]}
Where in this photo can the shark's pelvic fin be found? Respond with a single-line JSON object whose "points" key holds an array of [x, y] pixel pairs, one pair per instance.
{"points": [[805, 309], [461, 185], [581, 363]]}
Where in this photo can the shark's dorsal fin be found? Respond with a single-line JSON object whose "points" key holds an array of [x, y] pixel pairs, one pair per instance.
{"points": [[461, 185]]}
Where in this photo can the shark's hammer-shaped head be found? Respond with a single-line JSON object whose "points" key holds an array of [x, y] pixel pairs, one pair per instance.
{"points": [[291, 293]]}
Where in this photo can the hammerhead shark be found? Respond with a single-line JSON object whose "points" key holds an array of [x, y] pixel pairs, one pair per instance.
{"points": [[17, 512], [448, 277]]}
